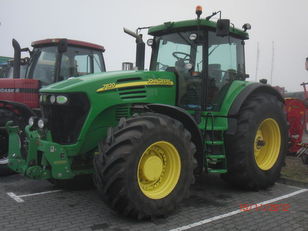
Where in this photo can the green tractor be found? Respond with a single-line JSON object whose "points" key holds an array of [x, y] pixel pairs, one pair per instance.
{"points": [[145, 135]]}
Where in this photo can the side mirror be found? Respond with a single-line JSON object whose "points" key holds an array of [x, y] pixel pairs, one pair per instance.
{"points": [[62, 46], [223, 27]]}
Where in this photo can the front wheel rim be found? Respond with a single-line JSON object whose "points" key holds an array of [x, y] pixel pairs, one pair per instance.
{"points": [[159, 170], [267, 144]]}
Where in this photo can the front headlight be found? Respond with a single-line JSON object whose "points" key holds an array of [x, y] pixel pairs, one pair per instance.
{"points": [[52, 99], [43, 98], [61, 99], [31, 120], [41, 123]]}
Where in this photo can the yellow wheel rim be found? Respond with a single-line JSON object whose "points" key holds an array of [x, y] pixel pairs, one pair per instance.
{"points": [[267, 144], [159, 170]]}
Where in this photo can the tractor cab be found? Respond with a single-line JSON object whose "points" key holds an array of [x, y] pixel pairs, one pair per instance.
{"points": [[204, 59], [196, 56], [54, 60]]}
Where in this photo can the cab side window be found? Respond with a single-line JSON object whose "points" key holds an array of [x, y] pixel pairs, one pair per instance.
{"points": [[225, 63]]}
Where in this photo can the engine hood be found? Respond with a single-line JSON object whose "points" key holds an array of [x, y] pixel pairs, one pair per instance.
{"points": [[106, 81]]}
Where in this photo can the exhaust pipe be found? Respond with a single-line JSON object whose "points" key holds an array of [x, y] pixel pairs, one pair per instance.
{"points": [[140, 48], [17, 56]]}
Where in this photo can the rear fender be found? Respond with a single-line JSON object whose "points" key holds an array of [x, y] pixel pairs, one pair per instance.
{"points": [[241, 98]]}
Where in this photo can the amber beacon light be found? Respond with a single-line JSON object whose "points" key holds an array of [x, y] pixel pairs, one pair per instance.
{"points": [[198, 11]]}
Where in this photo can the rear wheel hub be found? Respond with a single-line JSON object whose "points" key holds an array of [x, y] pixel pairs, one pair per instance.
{"points": [[267, 144]]}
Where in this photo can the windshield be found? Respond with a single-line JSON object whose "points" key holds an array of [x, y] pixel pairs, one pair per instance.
{"points": [[182, 53], [176, 50], [49, 66], [43, 64], [80, 61]]}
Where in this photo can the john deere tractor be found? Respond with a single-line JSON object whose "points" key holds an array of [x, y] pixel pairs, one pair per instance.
{"points": [[146, 135]]}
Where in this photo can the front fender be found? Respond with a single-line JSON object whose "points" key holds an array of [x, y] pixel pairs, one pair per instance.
{"points": [[189, 123]]}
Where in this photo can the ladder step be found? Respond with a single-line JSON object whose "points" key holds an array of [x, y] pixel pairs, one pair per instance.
{"points": [[217, 170], [216, 156], [216, 142]]}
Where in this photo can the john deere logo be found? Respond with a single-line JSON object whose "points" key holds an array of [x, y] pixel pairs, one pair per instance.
{"points": [[149, 82]]}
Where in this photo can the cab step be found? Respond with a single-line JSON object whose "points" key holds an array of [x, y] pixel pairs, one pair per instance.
{"points": [[216, 156], [217, 170], [216, 142]]}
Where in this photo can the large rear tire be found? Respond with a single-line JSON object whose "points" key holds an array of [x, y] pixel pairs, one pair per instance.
{"points": [[6, 115], [256, 153], [145, 167]]}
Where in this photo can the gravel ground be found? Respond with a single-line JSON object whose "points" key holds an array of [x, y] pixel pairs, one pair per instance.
{"points": [[295, 170]]}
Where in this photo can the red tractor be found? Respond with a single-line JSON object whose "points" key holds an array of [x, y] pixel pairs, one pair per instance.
{"points": [[50, 61], [297, 116]]}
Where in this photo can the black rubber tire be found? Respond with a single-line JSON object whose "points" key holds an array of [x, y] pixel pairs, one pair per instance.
{"points": [[6, 115], [116, 165], [243, 170], [80, 182]]}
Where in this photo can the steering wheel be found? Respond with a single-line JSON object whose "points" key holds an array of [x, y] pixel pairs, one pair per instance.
{"points": [[176, 54]]}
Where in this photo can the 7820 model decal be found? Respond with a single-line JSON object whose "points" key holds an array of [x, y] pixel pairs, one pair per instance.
{"points": [[150, 82]]}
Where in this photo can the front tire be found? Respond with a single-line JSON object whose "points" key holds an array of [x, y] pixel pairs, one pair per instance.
{"points": [[145, 167], [256, 153]]}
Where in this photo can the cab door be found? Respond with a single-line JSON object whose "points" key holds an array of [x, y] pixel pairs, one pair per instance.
{"points": [[225, 64]]}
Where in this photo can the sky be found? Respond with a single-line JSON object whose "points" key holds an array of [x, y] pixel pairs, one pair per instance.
{"points": [[279, 29]]}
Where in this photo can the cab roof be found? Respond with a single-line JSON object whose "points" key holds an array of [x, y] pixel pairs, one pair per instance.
{"points": [[54, 41], [168, 27]]}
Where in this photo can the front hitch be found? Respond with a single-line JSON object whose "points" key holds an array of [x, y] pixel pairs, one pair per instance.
{"points": [[35, 157], [15, 160]]}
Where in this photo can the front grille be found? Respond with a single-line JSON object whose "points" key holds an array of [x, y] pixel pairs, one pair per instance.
{"points": [[66, 121]]}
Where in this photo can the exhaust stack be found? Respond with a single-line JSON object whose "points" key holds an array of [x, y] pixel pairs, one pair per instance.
{"points": [[17, 56]]}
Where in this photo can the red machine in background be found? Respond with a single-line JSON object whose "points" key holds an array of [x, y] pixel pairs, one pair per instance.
{"points": [[297, 116]]}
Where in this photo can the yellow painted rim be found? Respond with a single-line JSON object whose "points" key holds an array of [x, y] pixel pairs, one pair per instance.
{"points": [[267, 144], [159, 170]]}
